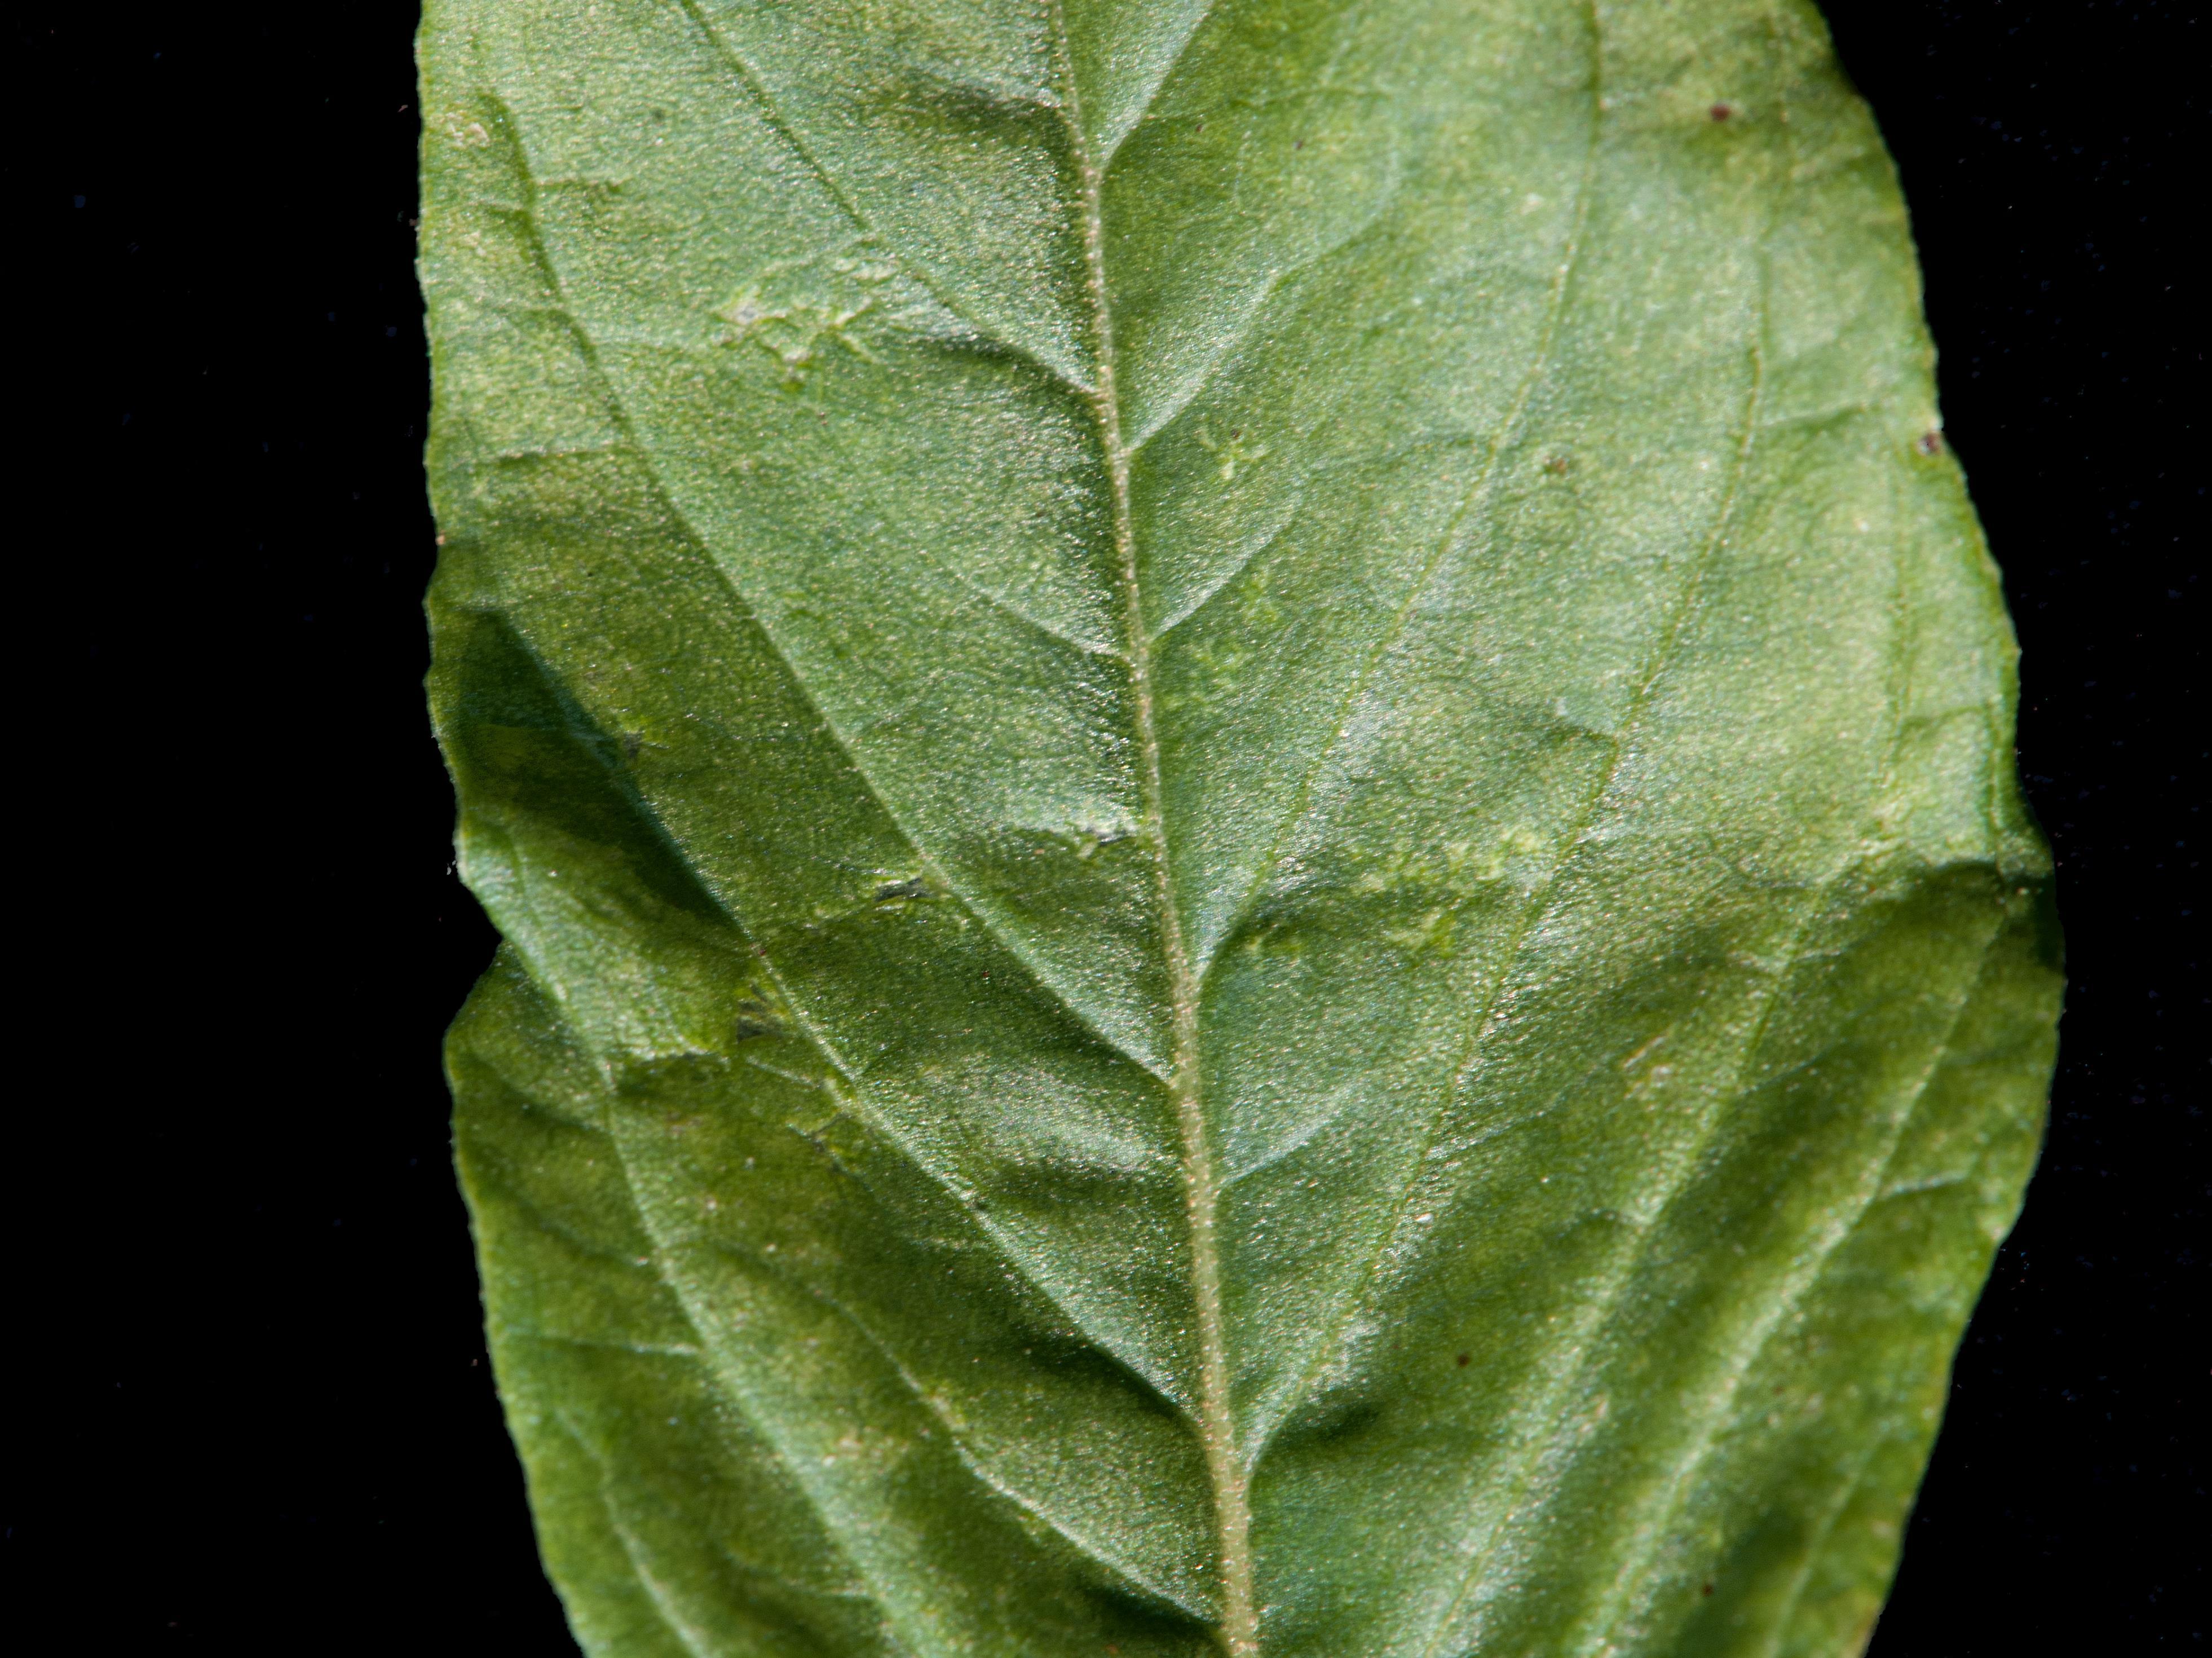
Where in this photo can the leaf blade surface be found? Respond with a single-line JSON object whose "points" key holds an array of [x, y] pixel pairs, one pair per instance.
{"points": [[1259, 770]]}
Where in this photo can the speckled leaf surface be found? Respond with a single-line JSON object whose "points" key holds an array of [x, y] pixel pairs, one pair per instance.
{"points": [[1248, 770]]}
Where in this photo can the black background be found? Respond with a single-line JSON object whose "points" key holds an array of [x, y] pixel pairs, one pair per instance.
{"points": [[254, 1415]]}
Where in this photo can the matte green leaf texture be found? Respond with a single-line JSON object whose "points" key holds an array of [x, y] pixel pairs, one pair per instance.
{"points": [[1249, 769]]}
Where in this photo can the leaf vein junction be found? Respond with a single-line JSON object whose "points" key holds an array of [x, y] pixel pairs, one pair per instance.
{"points": [[1239, 1628], [587, 347]]}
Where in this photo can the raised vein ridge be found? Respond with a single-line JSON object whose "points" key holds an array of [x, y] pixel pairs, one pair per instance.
{"points": [[1232, 1512]]}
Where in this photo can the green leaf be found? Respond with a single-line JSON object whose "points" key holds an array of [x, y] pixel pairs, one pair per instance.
{"points": [[1249, 769]]}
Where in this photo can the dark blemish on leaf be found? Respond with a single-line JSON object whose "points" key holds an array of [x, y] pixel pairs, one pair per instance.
{"points": [[632, 742], [1556, 465], [892, 892], [754, 1018], [1297, 143], [1708, 1589], [1465, 1359], [1088, 840], [1929, 443], [1721, 111], [1198, 125]]}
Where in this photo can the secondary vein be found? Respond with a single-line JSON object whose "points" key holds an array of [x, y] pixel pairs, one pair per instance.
{"points": [[1217, 1430]]}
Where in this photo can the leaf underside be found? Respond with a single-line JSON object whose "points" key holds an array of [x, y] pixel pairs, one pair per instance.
{"points": [[1249, 769]]}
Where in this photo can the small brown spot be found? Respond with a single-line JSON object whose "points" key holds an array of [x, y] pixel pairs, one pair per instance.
{"points": [[1297, 143], [1721, 111], [1709, 1588], [1556, 465], [1466, 1359], [1929, 443]]}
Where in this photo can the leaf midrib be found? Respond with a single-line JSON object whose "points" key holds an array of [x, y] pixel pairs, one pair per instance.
{"points": [[1215, 1423]]}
